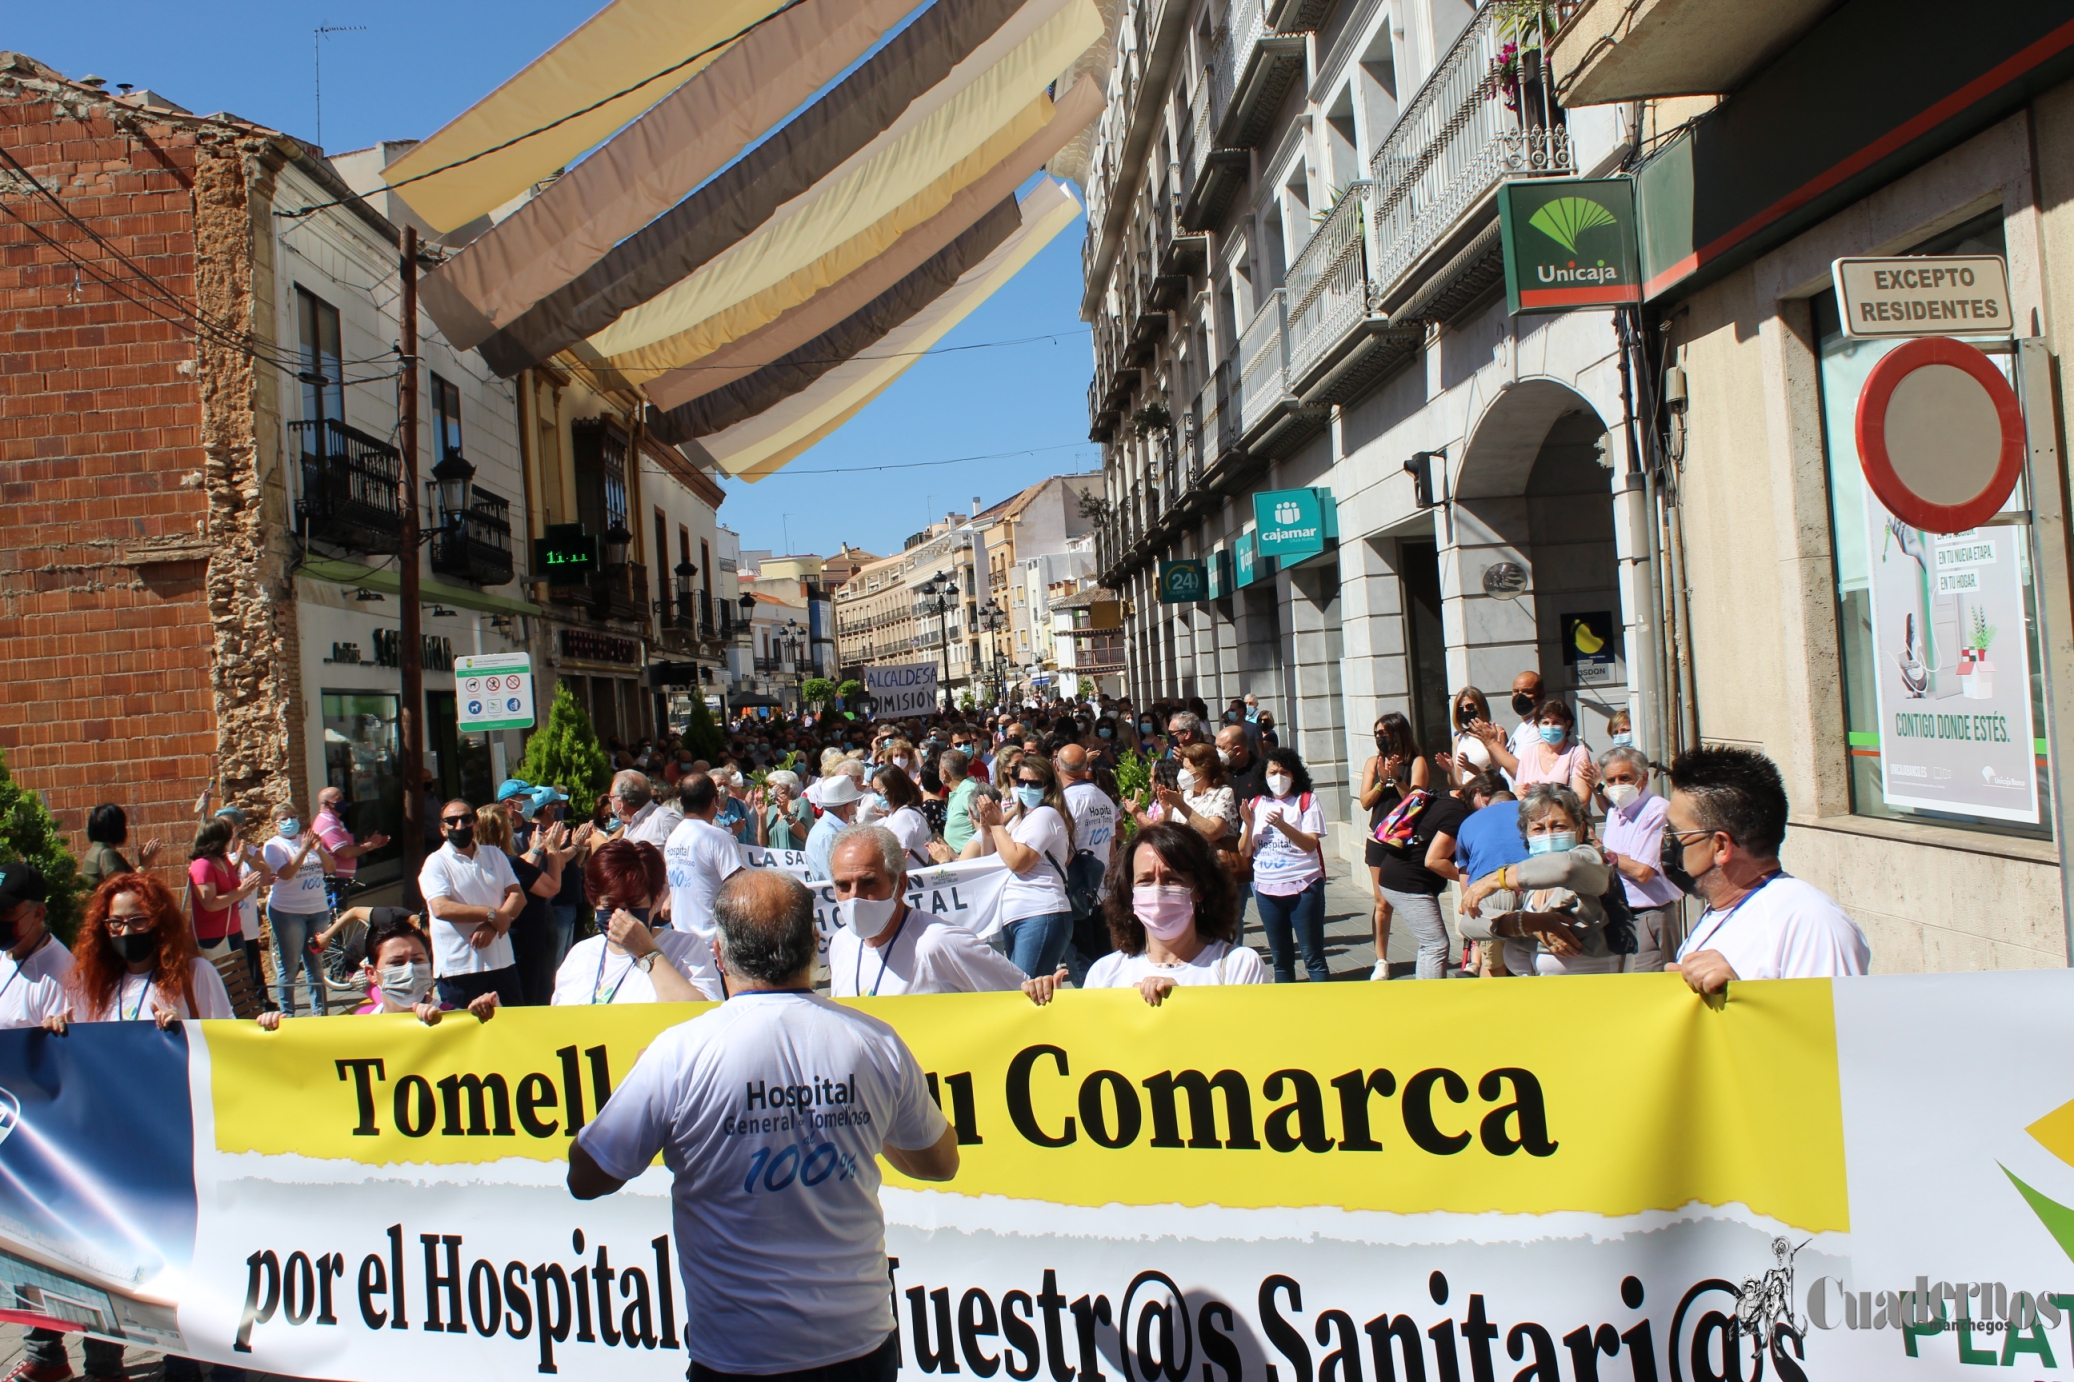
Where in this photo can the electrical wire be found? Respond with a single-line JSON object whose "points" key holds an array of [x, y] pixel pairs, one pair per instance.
{"points": [[563, 120]]}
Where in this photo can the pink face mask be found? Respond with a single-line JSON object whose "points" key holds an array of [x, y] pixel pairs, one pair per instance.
{"points": [[1165, 909]]}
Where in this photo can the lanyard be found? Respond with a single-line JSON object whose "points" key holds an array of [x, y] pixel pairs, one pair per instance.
{"points": [[598, 987], [885, 958], [1693, 946], [142, 994]]}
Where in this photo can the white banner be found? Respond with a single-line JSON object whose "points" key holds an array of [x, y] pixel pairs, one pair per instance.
{"points": [[909, 689]]}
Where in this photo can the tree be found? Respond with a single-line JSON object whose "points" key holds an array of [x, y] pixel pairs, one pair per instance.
{"points": [[817, 691], [701, 735], [1087, 688], [566, 754], [850, 690], [30, 834]]}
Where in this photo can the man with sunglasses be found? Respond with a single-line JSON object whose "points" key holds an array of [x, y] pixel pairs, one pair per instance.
{"points": [[474, 898], [1721, 842]]}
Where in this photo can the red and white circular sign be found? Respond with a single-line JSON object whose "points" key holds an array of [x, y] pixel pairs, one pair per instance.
{"points": [[1940, 434]]}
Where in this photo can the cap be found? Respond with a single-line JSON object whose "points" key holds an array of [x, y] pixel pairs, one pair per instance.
{"points": [[511, 787], [234, 814], [839, 790], [542, 796], [21, 883]]}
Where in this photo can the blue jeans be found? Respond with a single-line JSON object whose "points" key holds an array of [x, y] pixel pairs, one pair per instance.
{"points": [[292, 933], [564, 930], [1036, 945], [1304, 914]]}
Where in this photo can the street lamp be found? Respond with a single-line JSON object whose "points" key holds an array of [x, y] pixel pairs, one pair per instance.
{"points": [[453, 477], [991, 618], [937, 595], [684, 572], [617, 539]]}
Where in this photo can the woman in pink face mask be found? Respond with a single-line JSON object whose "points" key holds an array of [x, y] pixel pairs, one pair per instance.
{"points": [[1176, 923]]}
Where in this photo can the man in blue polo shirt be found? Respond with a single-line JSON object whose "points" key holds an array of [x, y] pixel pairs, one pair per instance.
{"points": [[1489, 840]]}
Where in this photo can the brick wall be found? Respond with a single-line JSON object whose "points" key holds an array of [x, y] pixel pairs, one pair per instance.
{"points": [[112, 685]]}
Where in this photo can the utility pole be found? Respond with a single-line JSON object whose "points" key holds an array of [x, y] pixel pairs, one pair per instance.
{"points": [[411, 721]]}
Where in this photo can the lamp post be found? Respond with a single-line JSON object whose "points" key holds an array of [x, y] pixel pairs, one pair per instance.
{"points": [[991, 618], [937, 595]]}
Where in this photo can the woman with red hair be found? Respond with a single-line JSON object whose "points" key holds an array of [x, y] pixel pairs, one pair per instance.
{"points": [[628, 962], [136, 959]]}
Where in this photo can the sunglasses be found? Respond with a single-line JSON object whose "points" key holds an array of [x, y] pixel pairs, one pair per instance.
{"points": [[457, 820]]}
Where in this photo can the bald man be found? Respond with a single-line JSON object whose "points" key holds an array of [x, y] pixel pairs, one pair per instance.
{"points": [[474, 898], [1094, 821]]}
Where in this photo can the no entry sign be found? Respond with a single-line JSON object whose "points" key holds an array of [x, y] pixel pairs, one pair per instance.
{"points": [[1940, 435]]}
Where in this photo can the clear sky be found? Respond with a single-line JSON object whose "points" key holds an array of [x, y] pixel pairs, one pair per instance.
{"points": [[415, 66]]}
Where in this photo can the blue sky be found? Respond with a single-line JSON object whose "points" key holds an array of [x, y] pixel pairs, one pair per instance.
{"points": [[415, 66]]}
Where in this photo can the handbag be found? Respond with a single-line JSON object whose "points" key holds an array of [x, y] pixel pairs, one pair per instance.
{"points": [[1400, 828]]}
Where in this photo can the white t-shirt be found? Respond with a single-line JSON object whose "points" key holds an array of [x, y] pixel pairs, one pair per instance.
{"points": [[248, 910], [912, 830], [34, 988], [1786, 929], [1218, 962], [1040, 889], [928, 956], [653, 823], [775, 1202], [137, 998], [478, 882], [701, 856], [303, 893], [1280, 869], [1094, 819], [592, 974]]}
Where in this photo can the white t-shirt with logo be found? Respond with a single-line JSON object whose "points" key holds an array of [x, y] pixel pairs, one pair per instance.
{"points": [[701, 856], [1218, 962], [303, 892], [1040, 889], [1094, 819], [911, 828], [1786, 929], [1280, 869], [928, 956], [770, 1111], [34, 988], [479, 882], [592, 974]]}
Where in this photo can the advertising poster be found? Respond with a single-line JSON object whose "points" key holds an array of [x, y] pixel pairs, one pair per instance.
{"points": [[1952, 668], [1272, 1184]]}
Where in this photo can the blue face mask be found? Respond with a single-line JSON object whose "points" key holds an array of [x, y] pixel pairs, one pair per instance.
{"points": [[1552, 734], [1106, 732], [289, 828], [1623, 740], [1031, 797], [1561, 842]]}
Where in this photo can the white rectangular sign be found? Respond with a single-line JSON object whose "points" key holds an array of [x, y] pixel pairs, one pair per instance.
{"points": [[909, 689], [493, 691], [1925, 295]]}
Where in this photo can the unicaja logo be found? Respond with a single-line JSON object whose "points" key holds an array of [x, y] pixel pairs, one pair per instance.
{"points": [[1287, 511]]}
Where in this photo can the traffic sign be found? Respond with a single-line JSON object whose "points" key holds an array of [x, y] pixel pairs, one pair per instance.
{"points": [[493, 691], [1925, 295], [1940, 435]]}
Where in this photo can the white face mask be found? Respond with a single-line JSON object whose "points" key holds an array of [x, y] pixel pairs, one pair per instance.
{"points": [[903, 763], [1622, 793], [1224, 758], [1278, 784], [406, 984], [1185, 780], [867, 916]]}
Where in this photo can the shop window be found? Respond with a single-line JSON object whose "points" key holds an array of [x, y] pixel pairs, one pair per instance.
{"points": [[1944, 698], [361, 747]]}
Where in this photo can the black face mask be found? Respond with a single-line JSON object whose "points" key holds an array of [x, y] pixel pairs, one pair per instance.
{"points": [[135, 947], [1524, 705], [639, 914], [461, 836], [1671, 863]]}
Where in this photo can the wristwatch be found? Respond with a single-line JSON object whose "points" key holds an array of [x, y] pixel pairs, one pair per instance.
{"points": [[646, 964]]}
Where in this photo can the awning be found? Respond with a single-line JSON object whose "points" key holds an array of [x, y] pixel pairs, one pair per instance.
{"points": [[651, 165], [385, 580], [871, 111], [743, 397], [706, 357], [612, 50], [761, 445]]}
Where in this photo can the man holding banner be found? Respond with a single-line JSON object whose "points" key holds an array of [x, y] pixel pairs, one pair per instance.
{"points": [[885, 947], [771, 1112]]}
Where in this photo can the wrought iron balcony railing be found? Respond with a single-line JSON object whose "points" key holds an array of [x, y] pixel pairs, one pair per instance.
{"points": [[476, 548], [350, 495]]}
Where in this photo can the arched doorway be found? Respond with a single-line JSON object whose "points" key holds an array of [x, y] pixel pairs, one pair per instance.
{"points": [[1534, 488]]}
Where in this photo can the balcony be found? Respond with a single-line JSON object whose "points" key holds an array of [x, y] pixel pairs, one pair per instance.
{"points": [[1251, 71], [1338, 343], [1212, 175], [350, 488], [477, 549], [1486, 115], [613, 592], [1264, 361]]}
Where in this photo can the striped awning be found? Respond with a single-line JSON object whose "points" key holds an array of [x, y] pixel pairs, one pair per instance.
{"points": [[610, 52]]}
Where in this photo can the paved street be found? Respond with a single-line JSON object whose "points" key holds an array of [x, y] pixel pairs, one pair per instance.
{"points": [[1349, 937]]}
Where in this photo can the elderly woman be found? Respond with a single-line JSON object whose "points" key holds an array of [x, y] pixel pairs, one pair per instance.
{"points": [[782, 818], [1202, 796], [1177, 925], [1634, 838], [1548, 910]]}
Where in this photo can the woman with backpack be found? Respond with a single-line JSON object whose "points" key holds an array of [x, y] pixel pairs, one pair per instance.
{"points": [[1392, 773], [1287, 828]]}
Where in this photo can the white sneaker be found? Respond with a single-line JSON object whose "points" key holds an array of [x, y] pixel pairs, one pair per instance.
{"points": [[1381, 971]]}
